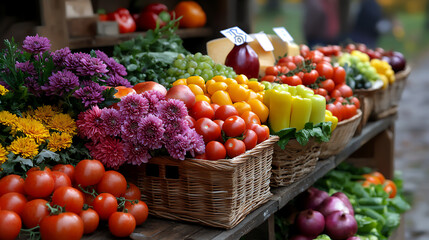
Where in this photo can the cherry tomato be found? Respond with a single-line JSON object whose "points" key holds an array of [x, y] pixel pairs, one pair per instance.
{"points": [[60, 179], [284, 69], [202, 109], [68, 197], [339, 75], [132, 192], [234, 147], [112, 182], [250, 139], [332, 108], [190, 120], [39, 184], [345, 90], [340, 111], [90, 220], [13, 202], [269, 78], [335, 93], [328, 84], [105, 204], [272, 70], [225, 111], [356, 102], [310, 77], [378, 175], [234, 126], [300, 75], [11, 183], [304, 50], [66, 225], [371, 179], [33, 169], [10, 224], [390, 188], [315, 56], [34, 211], [65, 168], [262, 131], [250, 117], [292, 80], [215, 150], [325, 69], [208, 129], [214, 106], [298, 60], [349, 110], [122, 224], [321, 91], [285, 59], [88, 172], [139, 210]]}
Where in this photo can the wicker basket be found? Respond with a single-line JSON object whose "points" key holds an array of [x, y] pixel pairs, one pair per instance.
{"points": [[366, 98], [215, 193], [340, 136], [294, 162], [399, 86]]}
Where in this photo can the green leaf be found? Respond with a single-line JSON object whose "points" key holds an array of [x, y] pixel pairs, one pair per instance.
{"points": [[131, 68], [46, 155], [398, 204], [303, 136]]}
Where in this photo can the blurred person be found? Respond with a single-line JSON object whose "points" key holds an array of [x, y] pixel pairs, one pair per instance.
{"points": [[321, 22], [368, 23]]}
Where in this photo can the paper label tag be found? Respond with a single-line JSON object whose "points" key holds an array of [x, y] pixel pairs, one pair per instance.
{"points": [[283, 34], [236, 35], [264, 41]]}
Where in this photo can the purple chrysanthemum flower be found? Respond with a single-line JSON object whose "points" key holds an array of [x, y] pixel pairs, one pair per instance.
{"points": [[114, 67], [73, 60], [90, 124], [116, 80], [111, 121], [136, 154], [151, 132], [26, 67], [36, 44], [91, 94], [154, 97], [196, 142], [90, 66], [129, 129], [110, 151], [133, 105], [175, 127], [33, 86], [177, 146], [60, 55], [172, 110], [61, 82]]}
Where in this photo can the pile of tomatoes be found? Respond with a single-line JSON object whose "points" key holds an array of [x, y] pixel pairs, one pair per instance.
{"points": [[378, 178], [225, 131], [64, 201]]}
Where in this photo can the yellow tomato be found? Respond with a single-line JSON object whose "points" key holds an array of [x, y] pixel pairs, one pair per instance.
{"points": [[230, 81], [180, 81], [197, 90], [196, 80], [242, 79], [209, 82], [242, 107], [255, 86], [260, 96], [202, 98], [212, 88], [252, 95], [221, 97], [238, 93], [259, 108], [219, 78]]}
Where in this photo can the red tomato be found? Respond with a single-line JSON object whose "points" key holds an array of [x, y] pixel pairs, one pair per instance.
{"points": [[325, 69], [345, 90], [39, 184], [105, 204], [139, 210], [219, 123], [190, 120], [67, 169], [356, 102], [234, 147], [250, 139], [88, 198], [225, 111], [208, 129], [269, 78], [132, 192], [34, 211], [284, 69], [68, 197], [349, 111], [272, 70], [321, 91], [215, 150], [10, 224], [250, 117], [304, 50], [234, 126], [122, 224], [112, 182], [66, 225], [286, 59], [90, 220], [316, 56], [11, 183], [335, 93], [88, 172], [298, 60], [310, 77], [292, 81], [33, 169], [13, 202], [214, 106], [390, 188], [60, 179], [202, 109], [339, 75], [201, 156], [262, 131], [340, 111], [332, 108], [328, 84], [290, 65]]}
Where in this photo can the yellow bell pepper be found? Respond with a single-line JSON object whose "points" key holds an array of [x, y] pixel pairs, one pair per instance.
{"points": [[300, 113], [221, 97], [267, 97], [331, 118], [280, 108], [292, 90], [259, 109], [238, 93], [318, 107]]}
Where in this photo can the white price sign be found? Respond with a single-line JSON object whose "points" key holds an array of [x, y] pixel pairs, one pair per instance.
{"points": [[236, 35], [264, 41], [283, 34]]}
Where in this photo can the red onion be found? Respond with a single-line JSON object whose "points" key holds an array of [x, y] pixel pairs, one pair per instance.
{"points": [[312, 198], [310, 223], [300, 237], [354, 238], [332, 204], [340, 225], [343, 197], [244, 60]]}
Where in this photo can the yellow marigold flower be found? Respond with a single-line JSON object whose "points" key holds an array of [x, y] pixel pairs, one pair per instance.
{"points": [[3, 90], [3, 154], [8, 119], [63, 123], [59, 141], [33, 128], [43, 113], [25, 147]]}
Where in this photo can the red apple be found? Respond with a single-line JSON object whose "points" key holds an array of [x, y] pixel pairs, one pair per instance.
{"points": [[147, 86], [182, 92]]}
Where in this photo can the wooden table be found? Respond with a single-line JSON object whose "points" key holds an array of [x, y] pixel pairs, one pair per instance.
{"points": [[379, 134]]}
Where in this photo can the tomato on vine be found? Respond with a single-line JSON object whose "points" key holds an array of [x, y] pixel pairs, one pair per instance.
{"points": [[234, 147], [139, 210], [208, 129], [60, 226], [105, 204], [11, 183], [234, 126], [112, 182], [310, 77], [39, 184], [88, 172], [132, 192], [215, 150], [65, 168], [122, 224], [34, 211], [10, 224], [13, 202], [225, 111], [70, 198], [328, 84], [90, 220]]}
